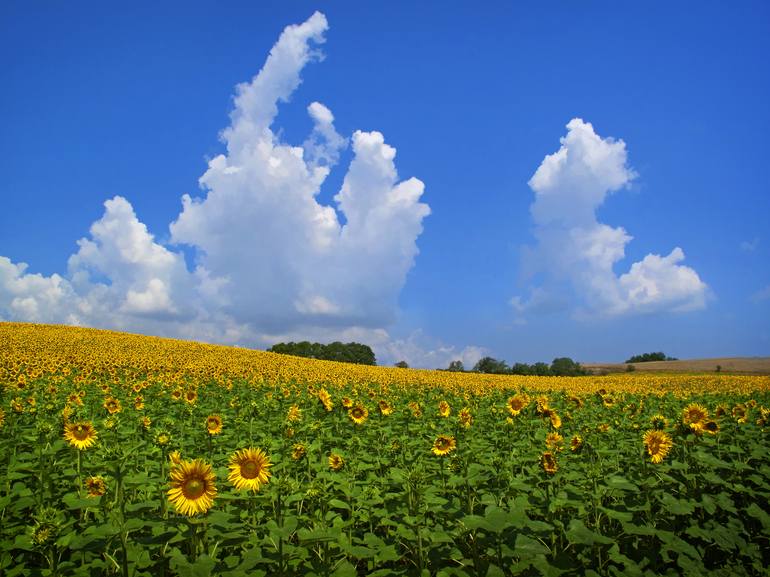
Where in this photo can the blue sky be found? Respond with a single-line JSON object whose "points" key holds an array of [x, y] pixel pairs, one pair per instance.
{"points": [[127, 105]]}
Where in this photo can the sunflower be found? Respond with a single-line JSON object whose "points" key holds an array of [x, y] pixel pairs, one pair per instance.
{"points": [[555, 420], [146, 423], [517, 404], [326, 399], [298, 451], [112, 405], [385, 408], [347, 402], [740, 413], [659, 422], [711, 427], [465, 417], [542, 405], [162, 439], [554, 441], [694, 414], [294, 414], [358, 414], [190, 396], [603, 428], [577, 401], [249, 468], [443, 445], [444, 410], [17, 405], [214, 424], [192, 487], [175, 457], [416, 409], [80, 435], [138, 403], [336, 462], [95, 486], [576, 444], [74, 399], [176, 394], [548, 461], [658, 445], [2, 417]]}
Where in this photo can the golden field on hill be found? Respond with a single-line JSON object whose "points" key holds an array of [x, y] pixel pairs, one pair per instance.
{"points": [[139, 456]]}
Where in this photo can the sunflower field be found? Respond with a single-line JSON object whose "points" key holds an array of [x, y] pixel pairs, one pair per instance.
{"points": [[139, 456]]}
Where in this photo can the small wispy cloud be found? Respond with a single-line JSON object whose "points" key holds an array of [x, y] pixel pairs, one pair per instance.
{"points": [[761, 295], [750, 246]]}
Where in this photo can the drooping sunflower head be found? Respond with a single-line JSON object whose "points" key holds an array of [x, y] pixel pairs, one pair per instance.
{"points": [[694, 413], [146, 423], [80, 435], [336, 462], [543, 406], [95, 486], [659, 422], [658, 444], [326, 399], [139, 403], [249, 469], [358, 413], [555, 420], [554, 441], [711, 427], [416, 409], [576, 444], [385, 407], [298, 451], [548, 460], [175, 457], [465, 417], [214, 424], [444, 410], [443, 445], [294, 414], [740, 413], [192, 487]]}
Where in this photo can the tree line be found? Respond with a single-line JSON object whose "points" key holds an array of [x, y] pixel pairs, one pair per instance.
{"points": [[647, 357], [560, 367], [336, 351]]}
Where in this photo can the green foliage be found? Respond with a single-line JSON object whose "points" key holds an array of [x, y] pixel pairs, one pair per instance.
{"points": [[456, 366], [402, 365], [491, 366], [346, 353], [648, 357]]}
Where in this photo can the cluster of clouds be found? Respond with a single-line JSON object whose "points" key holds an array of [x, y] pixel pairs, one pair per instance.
{"points": [[574, 254], [271, 262]]}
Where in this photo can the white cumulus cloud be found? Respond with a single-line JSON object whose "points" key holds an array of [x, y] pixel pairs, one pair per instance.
{"points": [[575, 250], [271, 261]]}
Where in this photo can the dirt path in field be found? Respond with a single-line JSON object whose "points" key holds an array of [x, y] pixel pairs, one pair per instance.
{"points": [[735, 365]]}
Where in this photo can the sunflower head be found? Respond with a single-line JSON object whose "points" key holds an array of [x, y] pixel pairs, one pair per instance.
{"points": [[385, 407], [555, 420], [249, 469], [95, 486], [711, 427], [298, 451], [347, 402], [214, 424], [336, 462], [175, 457], [548, 460], [358, 413], [294, 414], [465, 417], [326, 399], [658, 444], [659, 422], [112, 405], [80, 435], [576, 444], [444, 410], [443, 445], [554, 441], [517, 403], [191, 396], [192, 487], [694, 413]]}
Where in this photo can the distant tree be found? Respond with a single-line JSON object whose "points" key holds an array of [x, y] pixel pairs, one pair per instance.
{"points": [[649, 357], [719, 368], [541, 370], [630, 368], [401, 365], [456, 366], [566, 367], [521, 369], [336, 351], [491, 366]]}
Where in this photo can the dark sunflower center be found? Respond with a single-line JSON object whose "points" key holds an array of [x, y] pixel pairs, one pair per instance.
{"points": [[442, 443], [80, 433], [249, 469], [194, 488]]}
